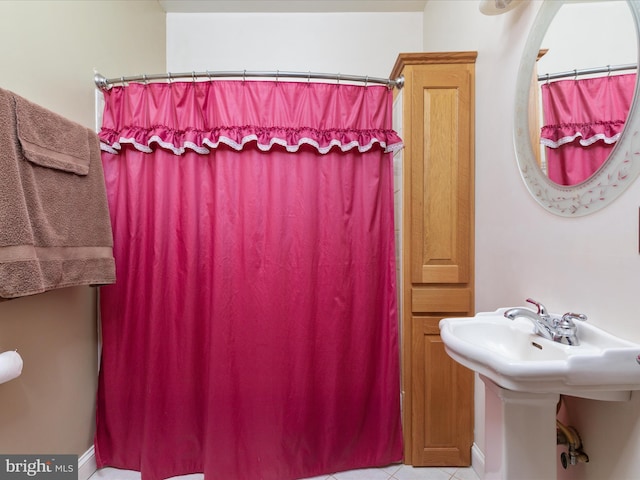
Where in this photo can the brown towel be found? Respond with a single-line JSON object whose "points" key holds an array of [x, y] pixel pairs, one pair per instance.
{"points": [[54, 222]]}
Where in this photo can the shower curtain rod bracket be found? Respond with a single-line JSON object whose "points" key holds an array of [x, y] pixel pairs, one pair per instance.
{"points": [[101, 82], [104, 83]]}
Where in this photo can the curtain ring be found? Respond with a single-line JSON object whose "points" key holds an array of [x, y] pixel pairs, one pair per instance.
{"points": [[193, 76], [575, 74], [122, 81], [338, 83], [244, 76], [608, 70], [309, 77], [144, 79], [277, 75], [366, 80], [209, 75], [169, 77]]}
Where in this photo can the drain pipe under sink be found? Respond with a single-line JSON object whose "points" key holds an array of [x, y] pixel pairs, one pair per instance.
{"points": [[567, 435]]}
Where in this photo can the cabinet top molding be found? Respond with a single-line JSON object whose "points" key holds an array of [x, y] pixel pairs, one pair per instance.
{"points": [[423, 58]]}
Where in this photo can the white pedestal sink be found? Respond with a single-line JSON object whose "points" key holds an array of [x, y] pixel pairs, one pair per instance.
{"points": [[524, 376], [602, 367]]}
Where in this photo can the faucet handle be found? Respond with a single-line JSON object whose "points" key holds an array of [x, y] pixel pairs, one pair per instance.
{"points": [[574, 316], [542, 310]]}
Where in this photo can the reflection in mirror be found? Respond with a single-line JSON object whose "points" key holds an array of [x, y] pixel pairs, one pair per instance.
{"points": [[582, 46], [586, 84]]}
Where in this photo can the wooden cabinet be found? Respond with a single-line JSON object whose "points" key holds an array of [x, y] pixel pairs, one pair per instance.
{"points": [[437, 243]]}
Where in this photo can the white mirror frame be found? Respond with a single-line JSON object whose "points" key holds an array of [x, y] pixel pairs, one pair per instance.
{"points": [[616, 174]]}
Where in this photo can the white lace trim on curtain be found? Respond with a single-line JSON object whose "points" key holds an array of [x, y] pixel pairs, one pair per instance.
{"points": [[116, 147], [585, 142]]}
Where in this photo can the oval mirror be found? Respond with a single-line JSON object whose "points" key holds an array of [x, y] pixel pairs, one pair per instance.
{"points": [[609, 177]]}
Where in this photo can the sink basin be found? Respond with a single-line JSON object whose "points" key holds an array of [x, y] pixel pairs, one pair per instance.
{"points": [[509, 353]]}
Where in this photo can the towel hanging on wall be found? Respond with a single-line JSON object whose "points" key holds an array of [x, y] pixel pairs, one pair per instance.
{"points": [[55, 229]]}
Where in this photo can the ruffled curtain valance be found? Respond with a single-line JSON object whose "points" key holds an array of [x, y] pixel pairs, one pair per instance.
{"points": [[587, 110], [231, 114], [554, 136], [583, 120]]}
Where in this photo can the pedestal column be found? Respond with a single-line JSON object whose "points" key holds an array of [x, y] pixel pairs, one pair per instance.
{"points": [[520, 434]]}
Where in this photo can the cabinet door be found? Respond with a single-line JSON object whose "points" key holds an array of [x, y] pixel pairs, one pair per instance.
{"points": [[441, 182], [442, 407]]}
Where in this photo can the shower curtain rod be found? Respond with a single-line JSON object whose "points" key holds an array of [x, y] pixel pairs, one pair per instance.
{"points": [[104, 83], [586, 71]]}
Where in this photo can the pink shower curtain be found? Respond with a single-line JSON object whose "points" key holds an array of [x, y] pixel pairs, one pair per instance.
{"points": [[252, 331], [583, 120]]}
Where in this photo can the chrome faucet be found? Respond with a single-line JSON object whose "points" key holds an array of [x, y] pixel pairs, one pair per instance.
{"points": [[566, 329], [541, 319], [552, 327]]}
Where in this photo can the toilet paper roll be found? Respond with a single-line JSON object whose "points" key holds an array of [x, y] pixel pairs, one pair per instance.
{"points": [[10, 366]]}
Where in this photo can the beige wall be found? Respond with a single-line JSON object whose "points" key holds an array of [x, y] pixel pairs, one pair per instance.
{"points": [[48, 50], [587, 264]]}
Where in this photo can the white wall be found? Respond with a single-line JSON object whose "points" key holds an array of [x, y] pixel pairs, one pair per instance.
{"points": [[573, 45], [589, 264], [348, 43]]}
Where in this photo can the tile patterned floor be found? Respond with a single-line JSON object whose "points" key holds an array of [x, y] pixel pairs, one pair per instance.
{"points": [[392, 472]]}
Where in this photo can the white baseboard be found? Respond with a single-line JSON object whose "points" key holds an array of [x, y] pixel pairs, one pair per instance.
{"points": [[477, 460], [87, 464]]}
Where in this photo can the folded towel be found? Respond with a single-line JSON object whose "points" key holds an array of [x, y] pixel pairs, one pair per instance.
{"points": [[54, 221], [50, 140]]}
